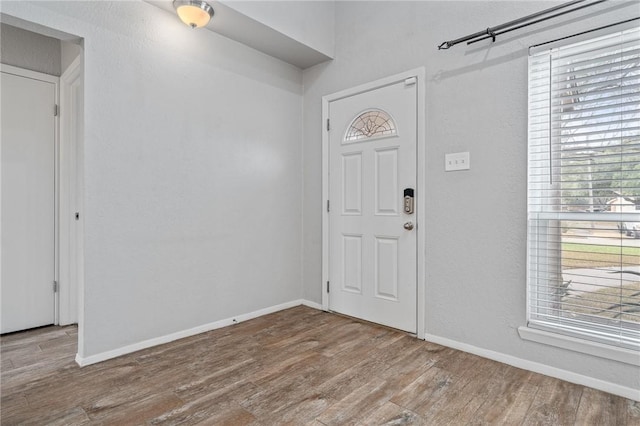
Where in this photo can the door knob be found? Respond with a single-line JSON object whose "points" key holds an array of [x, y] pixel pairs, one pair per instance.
{"points": [[408, 226]]}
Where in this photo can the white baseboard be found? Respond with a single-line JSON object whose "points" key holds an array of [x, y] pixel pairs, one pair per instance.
{"points": [[92, 359], [536, 367], [311, 304]]}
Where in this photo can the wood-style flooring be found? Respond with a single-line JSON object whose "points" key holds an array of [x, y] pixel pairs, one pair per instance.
{"points": [[300, 367]]}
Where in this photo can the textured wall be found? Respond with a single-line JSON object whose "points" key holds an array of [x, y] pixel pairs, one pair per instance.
{"points": [[192, 167], [69, 52], [476, 99], [309, 22], [28, 50]]}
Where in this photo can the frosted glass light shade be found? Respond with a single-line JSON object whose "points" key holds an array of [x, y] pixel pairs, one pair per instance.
{"points": [[194, 13]]}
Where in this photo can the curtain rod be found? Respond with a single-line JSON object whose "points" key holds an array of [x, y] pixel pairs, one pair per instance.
{"points": [[491, 31], [584, 32], [564, 12]]}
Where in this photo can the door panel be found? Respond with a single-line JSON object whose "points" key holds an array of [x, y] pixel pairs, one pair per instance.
{"points": [[386, 181], [352, 263], [28, 203], [352, 183], [372, 159], [386, 264]]}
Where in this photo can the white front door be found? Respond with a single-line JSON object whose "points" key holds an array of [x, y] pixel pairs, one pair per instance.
{"points": [[28, 202], [372, 239]]}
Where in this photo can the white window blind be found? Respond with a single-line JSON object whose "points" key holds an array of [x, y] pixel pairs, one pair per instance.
{"points": [[584, 190]]}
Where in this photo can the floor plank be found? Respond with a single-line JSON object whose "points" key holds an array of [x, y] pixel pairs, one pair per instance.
{"points": [[507, 398], [598, 408], [555, 403], [391, 414], [361, 402], [295, 367]]}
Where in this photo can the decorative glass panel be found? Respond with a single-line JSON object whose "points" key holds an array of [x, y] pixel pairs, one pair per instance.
{"points": [[370, 124]]}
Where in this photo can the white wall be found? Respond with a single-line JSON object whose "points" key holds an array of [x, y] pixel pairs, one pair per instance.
{"points": [[28, 50], [309, 22], [192, 172], [69, 51], [476, 101]]}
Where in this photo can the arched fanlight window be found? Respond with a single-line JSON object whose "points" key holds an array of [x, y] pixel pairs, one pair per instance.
{"points": [[370, 124]]}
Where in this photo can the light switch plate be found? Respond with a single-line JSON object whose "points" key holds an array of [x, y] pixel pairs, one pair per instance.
{"points": [[456, 161]]}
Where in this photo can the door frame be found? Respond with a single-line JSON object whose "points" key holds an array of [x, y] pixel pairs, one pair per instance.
{"points": [[420, 75], [70, 190], [22, 72]]}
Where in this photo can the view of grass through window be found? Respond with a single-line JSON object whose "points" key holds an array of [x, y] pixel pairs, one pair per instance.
{"points": [[600, 270]]}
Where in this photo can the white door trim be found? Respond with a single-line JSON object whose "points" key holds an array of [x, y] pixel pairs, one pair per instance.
{"points": [[70, 178], [10, 69], [420, 74]]}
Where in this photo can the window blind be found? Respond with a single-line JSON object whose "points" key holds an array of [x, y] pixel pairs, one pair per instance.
{"points": [[584, 190]]}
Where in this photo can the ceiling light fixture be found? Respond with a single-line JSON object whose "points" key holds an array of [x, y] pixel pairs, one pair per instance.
{"points": [[194, 13]]}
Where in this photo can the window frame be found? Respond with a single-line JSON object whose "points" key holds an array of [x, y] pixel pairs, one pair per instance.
{"points": [[554, 333]]}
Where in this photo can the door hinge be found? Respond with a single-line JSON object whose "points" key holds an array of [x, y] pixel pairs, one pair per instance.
{"points": [[328, 287], [328, 125], [55, 110], [328, 207], [410, 81], [55, 286]]}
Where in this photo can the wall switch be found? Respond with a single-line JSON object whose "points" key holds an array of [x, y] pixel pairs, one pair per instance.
{"points": [[456, 161]]}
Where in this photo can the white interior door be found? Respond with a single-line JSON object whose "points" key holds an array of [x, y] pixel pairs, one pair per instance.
{"points": [[372, 239], [28, 202]]}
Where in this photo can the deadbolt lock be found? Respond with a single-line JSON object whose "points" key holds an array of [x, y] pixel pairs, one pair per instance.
{"points": [[408, 200]]}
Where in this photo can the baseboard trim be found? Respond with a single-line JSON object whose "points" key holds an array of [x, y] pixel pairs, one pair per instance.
{"points": [[536, 367], [103, 356], [311, 304]]}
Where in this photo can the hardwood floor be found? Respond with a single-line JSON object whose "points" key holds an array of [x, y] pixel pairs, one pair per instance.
{"points": [[300, 367]]}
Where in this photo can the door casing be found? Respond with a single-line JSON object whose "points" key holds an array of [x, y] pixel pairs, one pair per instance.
{"points": [[419, 74], [70, 190]]}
